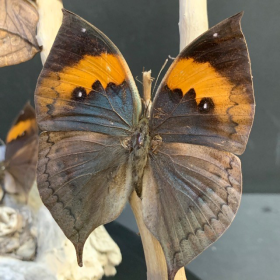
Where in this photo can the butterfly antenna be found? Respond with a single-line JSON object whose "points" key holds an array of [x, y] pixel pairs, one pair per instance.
{"points": [[136, 79], [164, 64]]}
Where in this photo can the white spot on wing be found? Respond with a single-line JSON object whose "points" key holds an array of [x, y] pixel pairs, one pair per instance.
{"points": [[215, 35], [84, 30]]}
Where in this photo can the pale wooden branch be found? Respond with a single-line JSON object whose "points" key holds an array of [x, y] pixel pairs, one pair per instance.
{"points": [[50, 19], [147, 91], [155, 260], [193, 20], [147, 85]]}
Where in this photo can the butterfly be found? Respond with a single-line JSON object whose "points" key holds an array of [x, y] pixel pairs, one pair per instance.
{"points": [[98, 145], [18, 169], [18, 22]]}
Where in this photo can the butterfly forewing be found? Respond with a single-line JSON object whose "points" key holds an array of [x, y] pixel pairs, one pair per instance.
{"points": [[86, 84], [206, 97]]}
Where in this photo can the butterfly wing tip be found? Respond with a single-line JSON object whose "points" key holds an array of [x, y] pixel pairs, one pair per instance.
{"points": [[79, 252], [238, 15], [66, 13]]}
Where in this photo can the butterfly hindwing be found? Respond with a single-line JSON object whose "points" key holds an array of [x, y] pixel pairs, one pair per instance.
{"points": [[206, 97], [190, 198], [86, 84], [21, 151], [83, 180]]}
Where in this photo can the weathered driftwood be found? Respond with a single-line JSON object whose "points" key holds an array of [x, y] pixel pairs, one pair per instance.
{"points": [[56, 258]]}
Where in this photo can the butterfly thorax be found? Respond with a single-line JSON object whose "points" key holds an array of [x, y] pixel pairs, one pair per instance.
{"points": [[140, 144]]}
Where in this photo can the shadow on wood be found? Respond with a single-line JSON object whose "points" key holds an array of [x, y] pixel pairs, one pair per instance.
{"points": [[133, 264]]}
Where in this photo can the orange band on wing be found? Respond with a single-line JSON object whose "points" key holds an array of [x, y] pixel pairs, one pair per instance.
{"points": [[105, 68], [19, 129], [205, 80]]}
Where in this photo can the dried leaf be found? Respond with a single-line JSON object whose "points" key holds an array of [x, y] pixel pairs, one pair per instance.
{"points": [[18, 21]]}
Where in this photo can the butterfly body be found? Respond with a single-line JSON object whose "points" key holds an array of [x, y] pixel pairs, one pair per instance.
{"points": [[179, 156], [140, 145]]}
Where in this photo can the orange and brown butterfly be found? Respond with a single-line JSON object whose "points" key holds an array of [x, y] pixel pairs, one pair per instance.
{"points": [[98, 145], [18, 168]]}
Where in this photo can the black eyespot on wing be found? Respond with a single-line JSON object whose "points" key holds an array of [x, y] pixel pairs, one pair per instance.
{"points": [[79, 94], [206, 105], [112, 86], [174, 95], [191, 94], [97, 86], [113, 89], [190, 99]]}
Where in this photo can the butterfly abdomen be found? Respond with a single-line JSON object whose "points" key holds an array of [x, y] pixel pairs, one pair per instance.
{"points": [[140, 142]]}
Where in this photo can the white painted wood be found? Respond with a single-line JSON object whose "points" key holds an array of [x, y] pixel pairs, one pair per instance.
{"points": [[50, 19], [193, 20]]}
